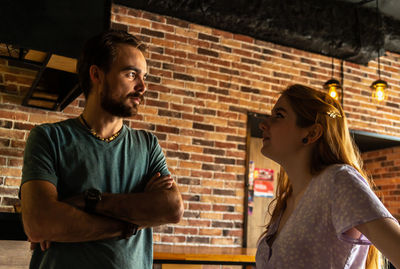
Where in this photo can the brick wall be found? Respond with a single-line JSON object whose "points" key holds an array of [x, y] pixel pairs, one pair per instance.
{"points": [[384, 167], [202, 83]]}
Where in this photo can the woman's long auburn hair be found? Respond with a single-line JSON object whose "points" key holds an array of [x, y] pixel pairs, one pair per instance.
{"points": [[335, 146]]}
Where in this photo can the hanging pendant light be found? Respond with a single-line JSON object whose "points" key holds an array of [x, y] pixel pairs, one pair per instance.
{"points": [[379, 86], [379, 90], [333, 86]]}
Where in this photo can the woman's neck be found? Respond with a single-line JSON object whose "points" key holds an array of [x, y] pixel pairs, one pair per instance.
{"points": [[299, 175]]}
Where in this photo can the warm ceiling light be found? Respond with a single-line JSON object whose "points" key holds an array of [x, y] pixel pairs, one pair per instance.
{"points": [[379, 86], [379, 90], [332, 86]]}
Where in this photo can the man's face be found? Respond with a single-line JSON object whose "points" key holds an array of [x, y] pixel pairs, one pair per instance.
{"points": [[124, 85]]}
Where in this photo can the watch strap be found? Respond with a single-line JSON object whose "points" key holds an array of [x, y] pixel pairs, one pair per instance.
{"points": [[92, 197], [130, 229]]}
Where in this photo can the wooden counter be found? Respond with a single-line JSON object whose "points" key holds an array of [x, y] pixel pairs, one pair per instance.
{"points": [[14, 254], [165, 254]]}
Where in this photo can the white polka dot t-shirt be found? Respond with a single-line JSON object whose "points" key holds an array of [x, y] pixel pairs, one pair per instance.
{"points": [[314, 235]]}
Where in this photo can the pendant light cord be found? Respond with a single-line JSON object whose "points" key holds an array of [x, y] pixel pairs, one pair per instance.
{"points": [[378, 23]]}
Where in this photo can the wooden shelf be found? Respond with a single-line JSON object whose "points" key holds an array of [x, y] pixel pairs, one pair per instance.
{"points": [[203, 255], [56, 61]]}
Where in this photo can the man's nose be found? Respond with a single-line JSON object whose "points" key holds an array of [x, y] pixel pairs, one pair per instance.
{"points": [[141, 85]]}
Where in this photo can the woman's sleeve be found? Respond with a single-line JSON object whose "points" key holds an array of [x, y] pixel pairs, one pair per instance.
{"points": [[354, 203]]}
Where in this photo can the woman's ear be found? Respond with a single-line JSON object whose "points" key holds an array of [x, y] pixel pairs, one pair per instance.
{"points": [[315, 132]]}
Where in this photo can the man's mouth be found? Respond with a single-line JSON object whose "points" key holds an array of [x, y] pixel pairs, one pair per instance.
{"points": [[136, 98]]}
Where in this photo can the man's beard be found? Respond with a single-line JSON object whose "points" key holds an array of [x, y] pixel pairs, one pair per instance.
{"points": [[118, 107]]}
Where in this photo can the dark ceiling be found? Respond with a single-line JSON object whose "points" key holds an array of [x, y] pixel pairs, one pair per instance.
{"points": [[347, 30], [59, 27]]}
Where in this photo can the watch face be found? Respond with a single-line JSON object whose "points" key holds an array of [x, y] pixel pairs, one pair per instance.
{"points": [[93, 194], [92, 197]]}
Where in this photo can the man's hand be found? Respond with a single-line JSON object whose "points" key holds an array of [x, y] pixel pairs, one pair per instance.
{"points": [[158, 183], [44, 245]]}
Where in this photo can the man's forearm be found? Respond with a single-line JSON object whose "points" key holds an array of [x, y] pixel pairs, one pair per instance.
{"points": [[47, 219], [145, 209], [69, 224]]}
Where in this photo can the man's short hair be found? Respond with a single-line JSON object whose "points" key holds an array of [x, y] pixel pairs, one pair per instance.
{"points": [[101, 51]]}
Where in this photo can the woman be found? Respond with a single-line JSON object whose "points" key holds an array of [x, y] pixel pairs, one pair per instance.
{"points": [[324, 210]]}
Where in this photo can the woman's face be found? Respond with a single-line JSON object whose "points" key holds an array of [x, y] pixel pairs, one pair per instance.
{"points": [[282, 138]]}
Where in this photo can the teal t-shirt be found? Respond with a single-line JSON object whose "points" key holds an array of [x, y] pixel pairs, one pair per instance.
{"points": [[69, 156]]}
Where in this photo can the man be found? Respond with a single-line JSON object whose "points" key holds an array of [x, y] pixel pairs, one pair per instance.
{"points": [[92, 187]]}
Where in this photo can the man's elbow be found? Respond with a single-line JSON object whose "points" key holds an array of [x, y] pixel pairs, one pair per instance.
{"points": [[38, 225], [34, 232], [176, 212]]}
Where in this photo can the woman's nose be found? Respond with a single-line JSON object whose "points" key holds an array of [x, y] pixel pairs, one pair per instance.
{"points": [[263, 125]]}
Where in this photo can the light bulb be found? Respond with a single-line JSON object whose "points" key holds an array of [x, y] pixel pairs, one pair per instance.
{"points": [[333, 93], [379, 88], [332, 86], [380, 93]]}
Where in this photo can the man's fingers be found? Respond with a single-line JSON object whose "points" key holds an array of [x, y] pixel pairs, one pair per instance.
{"points": [[159, 182], [44, 245], [157, 175], [152, 180], [165, 183]]}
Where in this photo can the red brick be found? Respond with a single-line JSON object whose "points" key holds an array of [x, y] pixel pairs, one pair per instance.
{"points": [[192, 231], [197, 206], [222, 33], [202, 158], [199, 43], [201, 174], [224, 176], [233, 217], [196, 57], [207, 66], [243, 38], [161, 26], [199, 223], [162, 73], [173, 238], [211, 231]]}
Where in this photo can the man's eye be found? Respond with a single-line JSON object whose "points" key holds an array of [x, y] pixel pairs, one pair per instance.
{"points": [[145, 77], [132, 75]]}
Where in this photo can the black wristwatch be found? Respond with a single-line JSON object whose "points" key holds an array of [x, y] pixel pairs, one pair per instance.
{"points": [[92, 197]]}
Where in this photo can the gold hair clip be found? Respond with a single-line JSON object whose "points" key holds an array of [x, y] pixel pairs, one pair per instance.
{"points": [[333, 114]]}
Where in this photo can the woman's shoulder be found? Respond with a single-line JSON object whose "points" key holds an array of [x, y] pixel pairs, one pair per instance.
{"points": [[343, 174], [335, 169]]}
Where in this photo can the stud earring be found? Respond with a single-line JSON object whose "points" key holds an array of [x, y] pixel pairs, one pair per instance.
{"points": [[304, 140]]}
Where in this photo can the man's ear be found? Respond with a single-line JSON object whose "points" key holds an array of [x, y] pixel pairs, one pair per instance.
{"points": [[96, 74], [315, 132]]}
